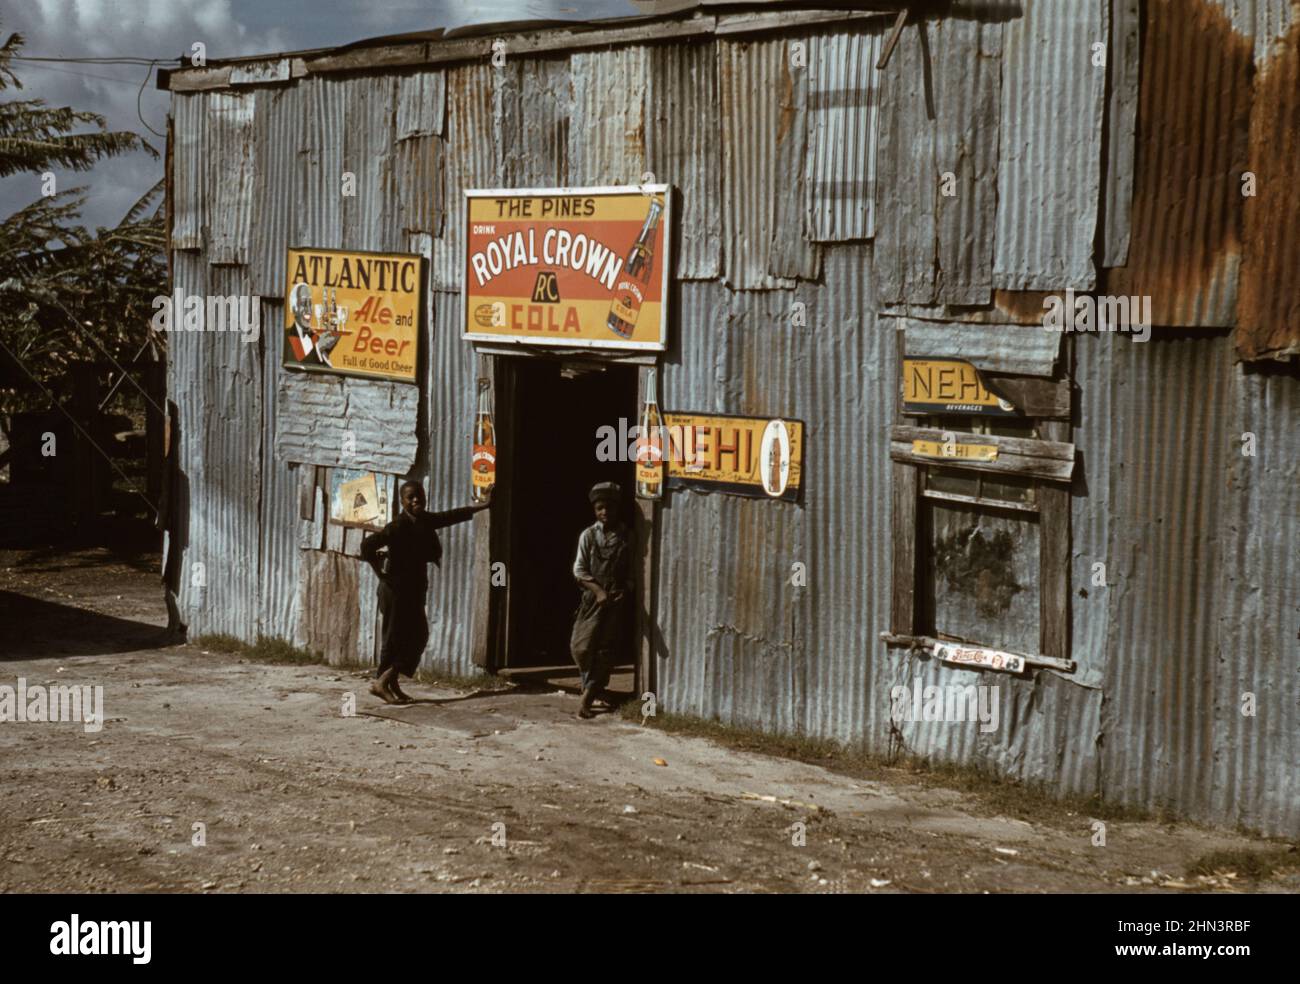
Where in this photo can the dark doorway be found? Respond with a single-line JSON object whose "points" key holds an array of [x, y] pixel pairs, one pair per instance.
{"points": [[560, 408]]}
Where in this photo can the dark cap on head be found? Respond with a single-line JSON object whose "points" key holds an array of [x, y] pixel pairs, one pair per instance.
{"points": [[609, 491]]}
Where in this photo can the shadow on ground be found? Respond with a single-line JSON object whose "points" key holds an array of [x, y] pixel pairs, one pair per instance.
{"points": [[35, 628]]}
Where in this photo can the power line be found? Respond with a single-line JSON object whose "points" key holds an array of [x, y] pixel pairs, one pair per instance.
{"points": [[85, 75], [123, 60]]}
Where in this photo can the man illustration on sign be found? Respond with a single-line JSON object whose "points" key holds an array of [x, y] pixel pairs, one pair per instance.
{"points": [[309, 347]]}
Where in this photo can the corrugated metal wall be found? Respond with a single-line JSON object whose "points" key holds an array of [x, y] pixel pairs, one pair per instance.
{"points": [[811, 200]]}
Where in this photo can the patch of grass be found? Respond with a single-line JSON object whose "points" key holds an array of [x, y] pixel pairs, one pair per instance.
{"points": [[992, 793], [278, 652], [1256, 865], [267, 649]]}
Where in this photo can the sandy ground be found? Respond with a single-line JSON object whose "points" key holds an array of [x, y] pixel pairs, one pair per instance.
{"points": [[503, 792]]}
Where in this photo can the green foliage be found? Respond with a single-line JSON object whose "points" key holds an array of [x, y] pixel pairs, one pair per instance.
{"points": [[68, 293]]}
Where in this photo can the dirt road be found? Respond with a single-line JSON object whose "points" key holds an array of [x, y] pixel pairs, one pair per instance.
{"points": [[503, 792]]}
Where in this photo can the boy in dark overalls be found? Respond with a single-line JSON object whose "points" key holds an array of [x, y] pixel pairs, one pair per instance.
{"points": [[603, 568], [412, 543]]}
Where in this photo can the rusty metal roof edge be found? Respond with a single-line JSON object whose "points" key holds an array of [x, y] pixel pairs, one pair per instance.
{"points": [[469, 43]]}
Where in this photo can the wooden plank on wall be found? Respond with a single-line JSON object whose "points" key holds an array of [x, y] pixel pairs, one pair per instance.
{"points": [[1052, 460], [902, 608], [1055, 562]]}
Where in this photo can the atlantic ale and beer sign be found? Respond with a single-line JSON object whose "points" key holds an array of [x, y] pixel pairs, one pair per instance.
{"points": [[352, 313], [750, 456], [577, 267]]}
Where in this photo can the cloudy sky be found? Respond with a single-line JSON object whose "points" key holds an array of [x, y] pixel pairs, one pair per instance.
{"points": [[166, 29]]}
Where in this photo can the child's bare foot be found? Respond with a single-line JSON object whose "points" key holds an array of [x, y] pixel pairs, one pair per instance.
{"points": [[399, 693], [383, 693]]}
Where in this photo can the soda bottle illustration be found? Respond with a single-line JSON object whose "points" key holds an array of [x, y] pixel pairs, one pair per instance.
{"points": [[649, 445], [630, 292], [483, 466]]}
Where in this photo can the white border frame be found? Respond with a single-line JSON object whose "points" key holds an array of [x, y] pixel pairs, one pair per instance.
{"points": [[570, 343]]}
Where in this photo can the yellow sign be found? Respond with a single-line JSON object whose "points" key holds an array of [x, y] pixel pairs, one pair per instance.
{"points": [[580, 267], [355, 314], [957, 452], [752, 456], [948, 386]]}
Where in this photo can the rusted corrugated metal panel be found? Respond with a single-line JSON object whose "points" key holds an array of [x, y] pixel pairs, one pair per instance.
{"points": [[215, 377], [531, 105], [449, 423], [1192, 133], [607, 128], [277, 525], [792, 253], [319, 203], [751, 78], [421, 105], [1123, 63], [275, 177], [906, 179], [229, 176], [843, 126], [468, 161], [369, 148], [348, 423], [1049, 159], [967, 92], [189, 161], [1268, 308], [683, 148]]}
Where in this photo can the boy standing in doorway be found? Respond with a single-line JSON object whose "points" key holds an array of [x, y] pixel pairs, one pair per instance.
{"points": [[412, 543], [603, 569]]}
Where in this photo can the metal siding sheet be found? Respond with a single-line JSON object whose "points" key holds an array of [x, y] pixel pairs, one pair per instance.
{"points": [[421, 105], [275, 143], [215, 377], [843, 127], [1200, 593], [967, 92], [318, 222], [683, 149], [1020, 349], [449, 422], [607, 128], [468, 161], [1185, 245], [229, 176], [417, 166], [277, 526], [1123, 62], [320, 413], [904, 254], [370, 216], [1049, 161], [531, 102], [189, 161], [750, 77]]}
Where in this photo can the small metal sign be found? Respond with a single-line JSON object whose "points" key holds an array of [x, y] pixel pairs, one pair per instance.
{"points": [[991, 659], [936, 386], [954, 451]]}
